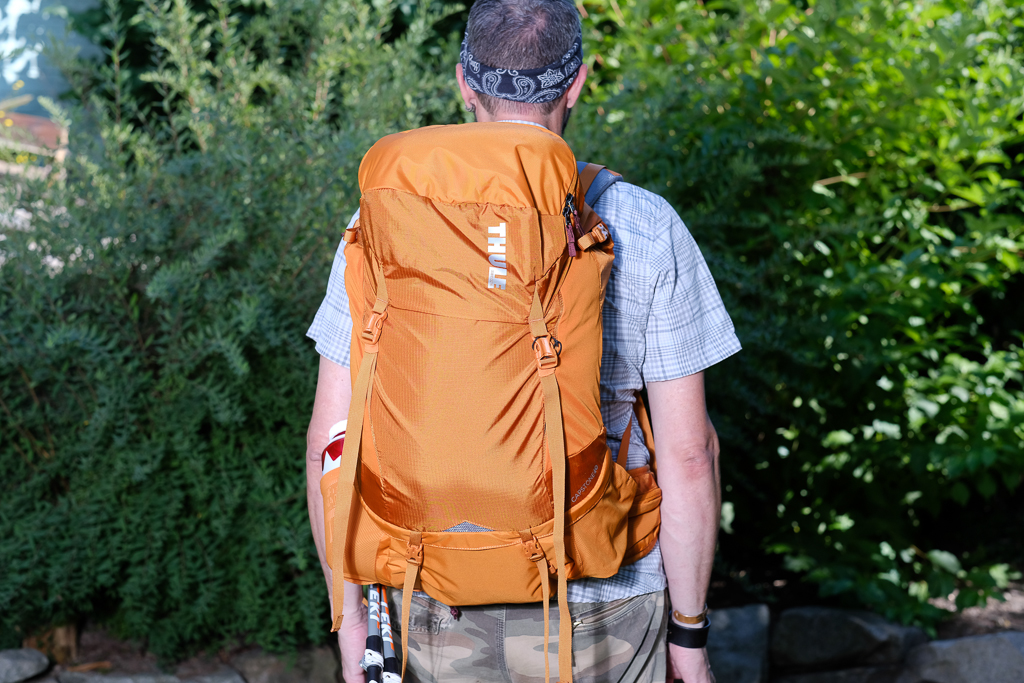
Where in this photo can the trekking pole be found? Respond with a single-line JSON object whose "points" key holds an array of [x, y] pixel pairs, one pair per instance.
{"points": [[373, 657], [391, 670]]}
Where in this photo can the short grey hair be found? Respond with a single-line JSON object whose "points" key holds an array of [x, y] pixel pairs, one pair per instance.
{"points": [[521, 34]]}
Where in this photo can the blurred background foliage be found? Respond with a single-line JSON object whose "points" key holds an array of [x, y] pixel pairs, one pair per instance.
{"points": [[851, 170], [155, 382], [852, 173]]}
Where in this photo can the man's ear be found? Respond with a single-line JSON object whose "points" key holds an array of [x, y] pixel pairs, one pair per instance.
{"points": [[468, 94], [572, 95]]}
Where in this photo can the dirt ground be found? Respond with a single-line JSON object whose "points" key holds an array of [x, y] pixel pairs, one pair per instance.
{"points": [[102, 652], [992, 618]]}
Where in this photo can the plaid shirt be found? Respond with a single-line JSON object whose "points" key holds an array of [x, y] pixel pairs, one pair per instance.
{"points": [[663, 319]]}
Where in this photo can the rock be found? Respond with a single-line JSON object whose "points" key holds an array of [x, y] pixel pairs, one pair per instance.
{"points": [[738, 644], [819, 637], [310, 666], [91, 677], [996, 658], [861, 674], [324, 666], [225, 675], [19, 665]]}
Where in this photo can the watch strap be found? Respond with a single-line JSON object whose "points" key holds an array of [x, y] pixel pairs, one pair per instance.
{"points": [[692, 638]]}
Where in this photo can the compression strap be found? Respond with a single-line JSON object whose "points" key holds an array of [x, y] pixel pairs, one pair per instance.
{"points": [[556, 452], [343, 497]]}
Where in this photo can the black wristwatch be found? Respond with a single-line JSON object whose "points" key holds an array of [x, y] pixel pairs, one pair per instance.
{"points": [[694, 638]]}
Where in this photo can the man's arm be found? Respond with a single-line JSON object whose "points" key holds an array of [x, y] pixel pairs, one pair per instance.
{"points": [[687, 460], [333, 395]]}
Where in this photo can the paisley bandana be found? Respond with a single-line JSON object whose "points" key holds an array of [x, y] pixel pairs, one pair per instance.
{"points": [[532, 86]]}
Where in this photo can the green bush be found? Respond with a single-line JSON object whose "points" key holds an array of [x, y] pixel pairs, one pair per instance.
{"points": [[155, 381], [852, 172]]}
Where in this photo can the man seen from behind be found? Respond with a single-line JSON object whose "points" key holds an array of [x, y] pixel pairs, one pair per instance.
{"points": [[664, 324]]}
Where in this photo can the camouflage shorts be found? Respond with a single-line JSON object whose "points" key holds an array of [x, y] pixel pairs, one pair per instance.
{"points": [[615, 641]]}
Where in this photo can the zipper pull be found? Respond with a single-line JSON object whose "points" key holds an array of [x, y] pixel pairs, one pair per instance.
{"points": [[572, 223]]}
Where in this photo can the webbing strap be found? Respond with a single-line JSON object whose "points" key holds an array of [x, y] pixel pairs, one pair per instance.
{"points": [[346, 482], [595, 185], [538, 557], [350, 453], [645, 427], [556, 449], [594, 180], [545, 586], [587, 175], [623, 454], [556, 452], [414, 560], [640, 410]]}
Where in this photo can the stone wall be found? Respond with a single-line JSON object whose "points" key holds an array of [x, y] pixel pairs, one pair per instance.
{"points": [[824, 645]]}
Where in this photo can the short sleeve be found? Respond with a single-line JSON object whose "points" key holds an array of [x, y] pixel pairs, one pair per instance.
{"points": [[688, 329], [332, 325]]}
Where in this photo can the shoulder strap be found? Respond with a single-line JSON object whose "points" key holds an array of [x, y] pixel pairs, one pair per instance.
{"points": [[595, 180]]}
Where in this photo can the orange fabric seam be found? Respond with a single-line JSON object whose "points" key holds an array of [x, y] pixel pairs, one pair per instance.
{"points": [[459, 204], [393, 305]]}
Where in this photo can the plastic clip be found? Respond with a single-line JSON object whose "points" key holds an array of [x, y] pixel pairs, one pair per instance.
{"points": [[371, 333], [531, 546], [596, 236], [547, 351], [414, 551]]}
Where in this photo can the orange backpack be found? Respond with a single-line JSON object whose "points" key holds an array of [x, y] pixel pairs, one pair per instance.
{"points": [[475, 466]]}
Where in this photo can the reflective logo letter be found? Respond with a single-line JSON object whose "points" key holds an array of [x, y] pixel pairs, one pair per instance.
{"points": [[498, 271]]}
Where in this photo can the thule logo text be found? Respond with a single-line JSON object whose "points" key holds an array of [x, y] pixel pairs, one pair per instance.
{"points": [[498, 270]]}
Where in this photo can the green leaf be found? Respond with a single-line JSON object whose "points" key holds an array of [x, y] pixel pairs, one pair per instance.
{"points": [[838, 438], [776, 11], [974, 194], [944, 560]]}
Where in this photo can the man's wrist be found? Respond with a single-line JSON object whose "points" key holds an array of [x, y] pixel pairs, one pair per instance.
{"points": [[689, 638], [689, 626]]}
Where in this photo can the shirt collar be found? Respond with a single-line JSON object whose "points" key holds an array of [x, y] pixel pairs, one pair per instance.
{"points": [[528, 123]]}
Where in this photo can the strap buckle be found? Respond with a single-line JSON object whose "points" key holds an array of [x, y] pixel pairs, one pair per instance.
{"points": [[547, 352], [532, 546], [375, 323], [414, 551], [536, 554], [598, 235]]}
